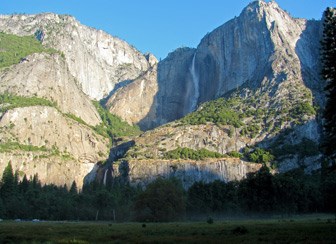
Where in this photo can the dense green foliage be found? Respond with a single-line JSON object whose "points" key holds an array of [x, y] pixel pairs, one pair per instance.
{"points": [[163, 200], [263, 193], [260, 155], [188, 153], [28, 199], [328, 59], [218, 111], [112, 125], [301, 109], [9, 101], [13, 48]]}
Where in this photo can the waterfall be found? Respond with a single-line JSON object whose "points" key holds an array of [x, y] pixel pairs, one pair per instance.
{"points": [[105, 175], [195, 81]]}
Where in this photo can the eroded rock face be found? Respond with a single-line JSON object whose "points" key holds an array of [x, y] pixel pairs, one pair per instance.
{"points": [[142, 172], [135, 102], [221, 139], [47, 76], [50, 169], [97, 60], [46, 127]]}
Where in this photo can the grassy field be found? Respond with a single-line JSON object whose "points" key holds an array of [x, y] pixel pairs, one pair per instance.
{"points": [[299, 230]]}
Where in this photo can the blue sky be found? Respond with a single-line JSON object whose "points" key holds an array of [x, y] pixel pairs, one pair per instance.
{"points": [[157, 26]]}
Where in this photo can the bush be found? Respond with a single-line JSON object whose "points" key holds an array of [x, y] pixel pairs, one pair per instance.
{"points": [[188, 153], [235, 154], [260, 155]]}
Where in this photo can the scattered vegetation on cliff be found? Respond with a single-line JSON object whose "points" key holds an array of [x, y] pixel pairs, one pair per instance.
{"points": [[10, 146], [188, 153], [14, 48], [42, 151], [10, 101], [219, 111], [113, 126]]}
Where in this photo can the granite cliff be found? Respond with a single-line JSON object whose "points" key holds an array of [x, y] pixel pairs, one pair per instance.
{"points": [[263, 47], [97, 60], [251, 83]]}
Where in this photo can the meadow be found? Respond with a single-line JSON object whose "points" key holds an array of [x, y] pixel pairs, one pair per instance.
{"points": [[309, 229]]}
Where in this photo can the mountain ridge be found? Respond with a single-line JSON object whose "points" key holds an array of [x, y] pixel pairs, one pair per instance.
{"points": [[251, 83]]}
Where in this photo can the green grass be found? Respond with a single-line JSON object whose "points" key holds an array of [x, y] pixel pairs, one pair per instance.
{"points": [[9, 101], [13, 48], [258, 231]]}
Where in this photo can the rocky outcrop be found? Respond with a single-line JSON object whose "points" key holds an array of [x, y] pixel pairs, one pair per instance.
{"points": [[155, 143], [47, 76], [46, 127], [142, 172], [134, 102], [158, 96], [50, 169], [97, 60]]}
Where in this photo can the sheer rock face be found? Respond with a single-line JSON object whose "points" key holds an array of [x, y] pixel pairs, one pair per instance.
{"points": [[134, 102], [261, 45], [142, 172], [262, 48], [58, 149], [97, 60], [159, 95], [47, 76]]}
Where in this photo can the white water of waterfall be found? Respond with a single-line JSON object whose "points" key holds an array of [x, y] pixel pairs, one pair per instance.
{"points": [[105, 175], [195, 80]]}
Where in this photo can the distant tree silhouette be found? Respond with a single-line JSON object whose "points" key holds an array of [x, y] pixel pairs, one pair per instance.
{"points": [[328, 59]]}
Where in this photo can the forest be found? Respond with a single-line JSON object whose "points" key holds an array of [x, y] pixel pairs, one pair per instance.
{"points": [[259, 194]]}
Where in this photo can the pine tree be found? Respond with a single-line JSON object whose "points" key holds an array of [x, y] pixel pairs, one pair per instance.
{"points": [[328, 58], [8, 180]]}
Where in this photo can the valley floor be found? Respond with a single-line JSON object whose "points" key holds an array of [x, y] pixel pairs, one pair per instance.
{"points": [[299, 229]]}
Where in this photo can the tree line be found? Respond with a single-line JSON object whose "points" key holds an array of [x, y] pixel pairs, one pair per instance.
{"points": [[166, 200]]}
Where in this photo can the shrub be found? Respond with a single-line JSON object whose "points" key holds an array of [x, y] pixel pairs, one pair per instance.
{"points": [[188, 153], [260, 155], [235, 154]]}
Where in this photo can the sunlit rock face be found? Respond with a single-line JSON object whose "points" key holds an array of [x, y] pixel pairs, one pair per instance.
{"points": [[142, 172], [263, 47], [47, 76], [96, 59]]}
